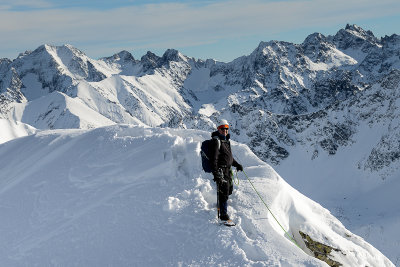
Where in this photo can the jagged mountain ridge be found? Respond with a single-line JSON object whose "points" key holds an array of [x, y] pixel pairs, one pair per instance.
{"points": [[277, 80], [67, 70]]}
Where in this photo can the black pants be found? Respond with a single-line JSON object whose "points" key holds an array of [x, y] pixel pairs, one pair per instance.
{"points": [[224, 190]]}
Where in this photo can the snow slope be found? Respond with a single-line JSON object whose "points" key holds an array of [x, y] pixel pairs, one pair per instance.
{"points": [[367, 205], [136, 196], [57, 110], [13, 129]]}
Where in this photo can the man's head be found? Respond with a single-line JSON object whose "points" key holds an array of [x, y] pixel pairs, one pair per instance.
{"points": [[223, 127]]}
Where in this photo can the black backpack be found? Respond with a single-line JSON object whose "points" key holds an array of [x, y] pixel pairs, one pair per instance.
{"points": [[205, 154]]}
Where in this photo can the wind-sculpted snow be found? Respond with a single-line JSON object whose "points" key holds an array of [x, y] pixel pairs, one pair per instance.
{"points": [[137, 196]]}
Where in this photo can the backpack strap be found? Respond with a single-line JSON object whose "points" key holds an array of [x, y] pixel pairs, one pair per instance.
{"points": [[218, 140]]}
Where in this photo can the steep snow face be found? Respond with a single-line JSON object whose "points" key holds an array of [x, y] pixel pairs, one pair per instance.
{"points": [[125, 196]]}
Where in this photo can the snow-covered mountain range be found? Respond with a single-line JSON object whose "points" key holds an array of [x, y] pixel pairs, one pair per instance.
{"points": [[324, 113]]}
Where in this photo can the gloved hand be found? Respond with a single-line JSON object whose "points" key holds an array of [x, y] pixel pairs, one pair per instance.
{"points": [[239, 167], [218, 176]]}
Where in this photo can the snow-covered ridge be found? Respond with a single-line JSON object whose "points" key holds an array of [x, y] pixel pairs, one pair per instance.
{"points": [[134, 196]]}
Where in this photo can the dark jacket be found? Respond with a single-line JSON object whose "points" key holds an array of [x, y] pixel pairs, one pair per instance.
{"points": [[221, 157]]}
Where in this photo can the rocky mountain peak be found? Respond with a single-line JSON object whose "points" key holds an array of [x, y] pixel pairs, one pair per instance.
{"points": [[315, 39], [355, 37], [149, 61], [50, 55], [67, 48], [121, 57], [125, 56], [357, 30], [64, 51], [172, 55], [316, 47], [392, 41], [271, 46], [23, 54]]}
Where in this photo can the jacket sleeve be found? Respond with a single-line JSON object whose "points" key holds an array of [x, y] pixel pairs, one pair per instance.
{"points": [[214, 154]]}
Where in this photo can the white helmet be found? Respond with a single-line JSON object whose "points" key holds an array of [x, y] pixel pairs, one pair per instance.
{"points": [[223, 124]]}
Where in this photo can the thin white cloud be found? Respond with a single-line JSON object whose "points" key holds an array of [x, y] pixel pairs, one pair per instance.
{"points": [[13, 4], [178, 25]]}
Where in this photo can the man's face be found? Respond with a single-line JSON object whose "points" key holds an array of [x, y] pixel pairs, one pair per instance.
{"points": [[223, 131]]}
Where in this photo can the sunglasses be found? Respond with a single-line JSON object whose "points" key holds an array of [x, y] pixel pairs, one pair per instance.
{"points": [[224, 129]]}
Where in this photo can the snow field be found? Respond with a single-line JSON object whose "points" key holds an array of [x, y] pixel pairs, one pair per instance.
{"points": [[135, 196]]}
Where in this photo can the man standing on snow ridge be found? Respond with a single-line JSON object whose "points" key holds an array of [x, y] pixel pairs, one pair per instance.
{"points": [[221, 161]]}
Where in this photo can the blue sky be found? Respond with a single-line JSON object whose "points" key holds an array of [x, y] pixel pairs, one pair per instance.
{"points": [[219, 29]]}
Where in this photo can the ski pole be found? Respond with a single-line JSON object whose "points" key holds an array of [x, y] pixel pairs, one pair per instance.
{"points": [[218, 199]]}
